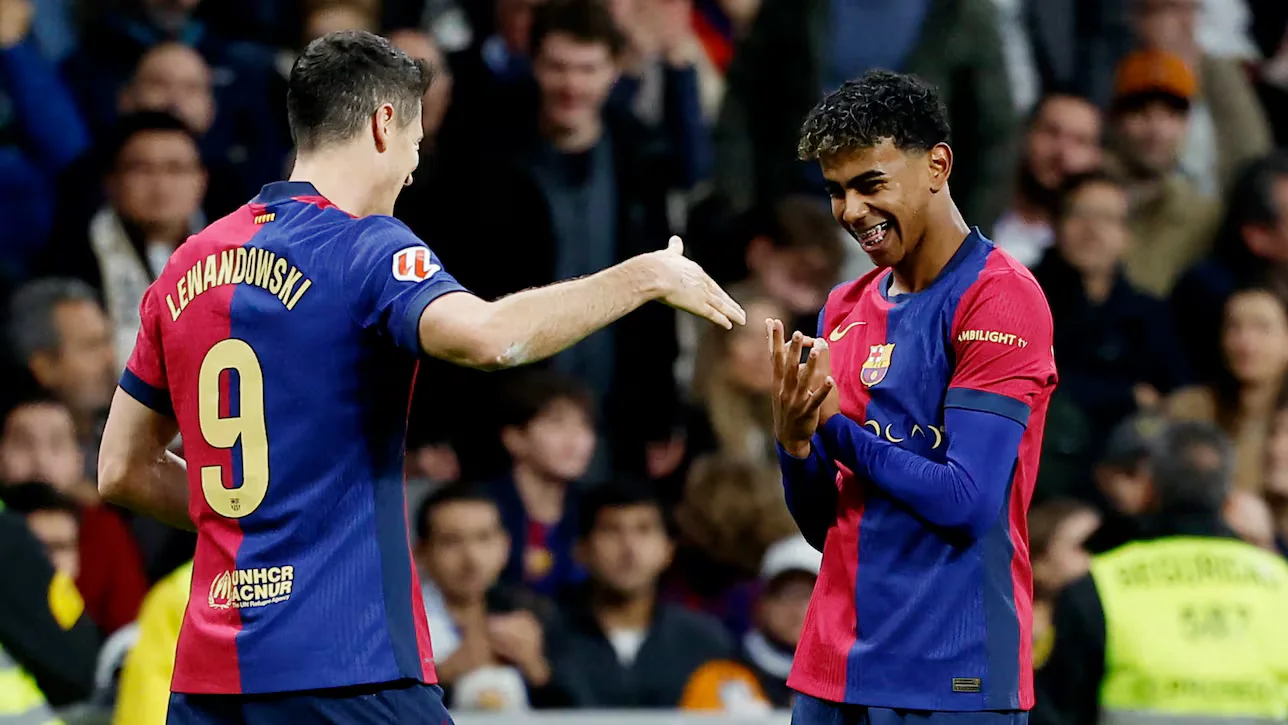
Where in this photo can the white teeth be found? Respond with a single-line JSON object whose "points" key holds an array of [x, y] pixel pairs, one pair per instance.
{"points": [[874, 234]]}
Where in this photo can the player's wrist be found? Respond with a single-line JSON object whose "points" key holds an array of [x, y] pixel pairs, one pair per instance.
{"points": [[797, 449], [645, 275]]}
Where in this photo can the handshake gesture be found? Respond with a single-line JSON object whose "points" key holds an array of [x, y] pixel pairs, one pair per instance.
{"points": [[804, 394]]}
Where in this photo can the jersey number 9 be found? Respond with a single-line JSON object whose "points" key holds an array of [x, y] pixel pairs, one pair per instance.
{"points": [[247, 427]]}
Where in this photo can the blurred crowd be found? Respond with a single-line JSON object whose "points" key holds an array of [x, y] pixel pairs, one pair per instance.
{"points": [[608, 529]]}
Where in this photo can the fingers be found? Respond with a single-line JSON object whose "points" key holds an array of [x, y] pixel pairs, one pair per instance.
{"points": [[717, 316], [720, 300], [776, 352], [816, 397], [807, 371], [791, 375]]}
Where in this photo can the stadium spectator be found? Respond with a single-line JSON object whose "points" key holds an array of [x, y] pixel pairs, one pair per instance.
{"points": [[590, 184], [41, 133], [731, 511], [792, 52], [757, 678], [173, 78], [1227, 126], [548, 431], [664, 80], [143, 695], [38, 443], [1250, 517], [1243, 397], [1058, 532], [61, 336], [790, 252], [52, 519], [1251, 246], [1116, 346], [154, 187], [123, 33], [1063, 138], [1077, 43], [1270, 28], [617, 646], [489, 642], [795, 254], [47, 644], [731, 387], [1277, 477], [1186, 604], [1171, 222]]}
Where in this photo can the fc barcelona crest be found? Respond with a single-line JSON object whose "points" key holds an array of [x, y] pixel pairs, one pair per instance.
{"points": [[878, 362]]}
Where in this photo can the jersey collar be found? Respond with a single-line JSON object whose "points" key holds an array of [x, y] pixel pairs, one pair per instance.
{"points": [[279, 191]]}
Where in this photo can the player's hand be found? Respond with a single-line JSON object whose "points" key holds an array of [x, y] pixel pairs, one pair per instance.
{"points": [[796, 404], [685, 286], [819, 371], [517, 638]]}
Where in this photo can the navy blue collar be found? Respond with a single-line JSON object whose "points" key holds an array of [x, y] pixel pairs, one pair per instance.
{"points": [[279, 191], [971, 241]]}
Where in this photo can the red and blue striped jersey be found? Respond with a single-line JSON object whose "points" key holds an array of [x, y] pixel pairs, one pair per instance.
{"points": [[284, 340], [908, 613]]}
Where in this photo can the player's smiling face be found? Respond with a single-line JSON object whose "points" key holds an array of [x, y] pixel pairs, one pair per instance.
{"points": [[879, 195]]}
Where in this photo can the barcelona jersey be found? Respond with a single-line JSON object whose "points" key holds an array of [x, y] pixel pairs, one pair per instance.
{"points": [[908, 613], [283, 339]]}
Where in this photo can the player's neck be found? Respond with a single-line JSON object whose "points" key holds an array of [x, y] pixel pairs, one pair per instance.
{"points": [[616, 612], [542, 496], [337, 178], [946, 230]]}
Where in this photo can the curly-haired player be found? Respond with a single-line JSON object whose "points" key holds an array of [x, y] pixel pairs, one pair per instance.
{"points": [[909, 438]]}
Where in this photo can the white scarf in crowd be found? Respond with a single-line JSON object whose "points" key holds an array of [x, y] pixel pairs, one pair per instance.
{"points": [[125, 275]]}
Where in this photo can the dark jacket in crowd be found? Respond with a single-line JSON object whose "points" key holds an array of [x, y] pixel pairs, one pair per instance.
{"points": [[499, 238], [588, 671], [43, 625], [1103, 350]]}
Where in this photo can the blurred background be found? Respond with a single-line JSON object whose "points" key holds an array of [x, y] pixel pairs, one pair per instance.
{"points": [[607, 530]]}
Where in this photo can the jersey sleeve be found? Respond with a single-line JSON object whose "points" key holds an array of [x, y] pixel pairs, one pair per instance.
{"points": [[144, 378], [1002, 344], [394, 276]]}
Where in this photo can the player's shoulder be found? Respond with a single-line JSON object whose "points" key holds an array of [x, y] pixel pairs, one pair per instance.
{"points": [[1004, 275], [847, 294]]}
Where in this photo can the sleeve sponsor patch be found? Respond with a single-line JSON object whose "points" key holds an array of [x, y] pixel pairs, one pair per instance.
{"points": [[414, 264]]}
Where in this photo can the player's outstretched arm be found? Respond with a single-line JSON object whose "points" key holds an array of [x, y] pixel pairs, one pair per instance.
{"points": [[135, 468], [537, 323]]}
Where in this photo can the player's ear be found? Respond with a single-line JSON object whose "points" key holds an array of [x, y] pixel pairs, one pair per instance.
{"points": [[382, 126], [940, 166]]}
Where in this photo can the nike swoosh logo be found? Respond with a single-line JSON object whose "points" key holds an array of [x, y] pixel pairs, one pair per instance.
{"points": [[839, 332]]}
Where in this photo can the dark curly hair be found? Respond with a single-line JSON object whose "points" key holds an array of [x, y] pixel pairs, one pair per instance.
{"points": [[878, 105]]}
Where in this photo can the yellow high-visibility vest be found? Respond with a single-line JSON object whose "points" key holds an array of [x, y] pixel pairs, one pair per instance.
{"points": [[1196, 629], [21, 701]]}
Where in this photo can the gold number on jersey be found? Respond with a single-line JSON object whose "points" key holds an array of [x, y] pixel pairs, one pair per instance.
{"points": [[247, 427]]}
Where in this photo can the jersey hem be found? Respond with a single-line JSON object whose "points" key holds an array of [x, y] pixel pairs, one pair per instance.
{"points": [[198, 689], [895, 701]]}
